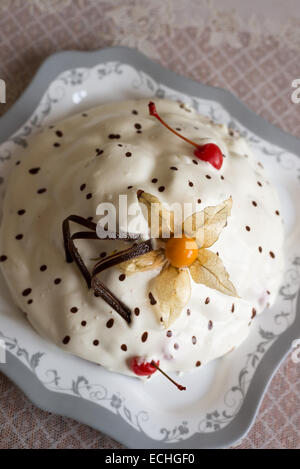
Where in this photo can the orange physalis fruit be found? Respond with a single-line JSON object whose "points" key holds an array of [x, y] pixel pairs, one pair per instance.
{"points": [[181, 252]]}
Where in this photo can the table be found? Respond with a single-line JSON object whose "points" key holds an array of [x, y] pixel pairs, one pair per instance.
{"points": [[221, 43]]}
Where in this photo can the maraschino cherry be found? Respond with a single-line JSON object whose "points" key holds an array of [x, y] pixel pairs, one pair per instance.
{"points": [[142, 368], [209, 152]]}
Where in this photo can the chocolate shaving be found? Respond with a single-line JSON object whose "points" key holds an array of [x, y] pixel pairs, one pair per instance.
{"points": [[110, 261], [71, 253], [66, 232], [86, 235], [101, 290], [122, 256]]}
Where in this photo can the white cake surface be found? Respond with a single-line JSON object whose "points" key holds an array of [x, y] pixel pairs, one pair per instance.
{"points": [[70, 177]]}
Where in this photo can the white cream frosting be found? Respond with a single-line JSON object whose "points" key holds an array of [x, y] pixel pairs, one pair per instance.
{"points": [[65, 168]]}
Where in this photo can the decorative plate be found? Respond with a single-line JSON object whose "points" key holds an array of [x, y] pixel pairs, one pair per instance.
{"points": [[223, 397]]}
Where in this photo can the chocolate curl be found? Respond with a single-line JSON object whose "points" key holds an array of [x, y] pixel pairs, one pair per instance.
{"points": [[86, 235], [101, 290], [67, 236], [122, 256], [72, 253]]}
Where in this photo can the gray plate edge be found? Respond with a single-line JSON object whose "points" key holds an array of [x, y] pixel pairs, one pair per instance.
{"points": [[83, 410]]}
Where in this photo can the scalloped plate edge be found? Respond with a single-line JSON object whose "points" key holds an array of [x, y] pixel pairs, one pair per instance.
{"points": [[85, 411]]}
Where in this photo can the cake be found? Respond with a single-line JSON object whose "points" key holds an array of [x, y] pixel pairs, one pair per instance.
{"points": [[133, 305]]}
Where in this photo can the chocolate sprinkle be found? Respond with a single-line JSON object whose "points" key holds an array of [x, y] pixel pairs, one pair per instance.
{"points": [[198, 363], [122, 277], [57, 281], [161, 188], [210, 325], [128, 154], [174, 168], [96, 342], [74, 309], [110, 323], [124, 347], [253, 313], [207, 300], [42, 190], [82, 187], [83, 323], [169, 333], [194, 340], [152, 299], [144, 336], [136, 311], [154, 180], [34, 170], [66, 340], [19, 236], [26, 292], [21, 212], [272, 254], [3, 258], [43, 268], [59, 133]]}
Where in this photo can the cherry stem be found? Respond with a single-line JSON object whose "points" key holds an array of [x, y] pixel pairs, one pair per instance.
{"points": [[181, 388], [153, 112]]}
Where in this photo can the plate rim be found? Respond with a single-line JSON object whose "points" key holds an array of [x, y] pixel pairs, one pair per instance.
{"points": [[90, 413]]}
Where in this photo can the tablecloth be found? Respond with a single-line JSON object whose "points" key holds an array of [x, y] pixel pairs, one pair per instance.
{"points": [[251, 48]]}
